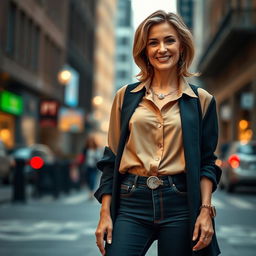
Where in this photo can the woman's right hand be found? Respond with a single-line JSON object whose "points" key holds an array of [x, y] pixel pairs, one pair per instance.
{"points": [[105, 226]]}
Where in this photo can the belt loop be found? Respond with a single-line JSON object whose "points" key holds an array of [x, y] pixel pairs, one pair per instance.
{"points": [[170, 180], [135, 180]]}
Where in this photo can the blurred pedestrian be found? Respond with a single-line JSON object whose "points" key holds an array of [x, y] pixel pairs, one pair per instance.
{"points": [[92, 154], [159, 167]]}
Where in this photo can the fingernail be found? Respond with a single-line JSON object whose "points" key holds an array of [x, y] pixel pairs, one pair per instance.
{"points": [[109, 241]]}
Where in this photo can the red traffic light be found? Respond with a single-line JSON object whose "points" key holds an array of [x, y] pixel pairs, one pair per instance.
{"points": [[36, 162]]}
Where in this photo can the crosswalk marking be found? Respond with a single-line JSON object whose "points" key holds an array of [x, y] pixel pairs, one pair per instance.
{"points": [[17, 230], [76, 199], [239, 203], [237, 234]]}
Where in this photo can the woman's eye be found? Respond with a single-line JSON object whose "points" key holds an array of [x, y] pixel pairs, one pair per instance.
{"points": [[170, 41], [152, 43]]}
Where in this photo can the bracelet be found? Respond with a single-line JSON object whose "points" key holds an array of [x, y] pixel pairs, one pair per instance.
{"points": [[211, 208]]}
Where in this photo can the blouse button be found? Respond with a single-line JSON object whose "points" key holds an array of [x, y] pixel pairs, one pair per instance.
{"points": [[157, 158], [159, 125]]}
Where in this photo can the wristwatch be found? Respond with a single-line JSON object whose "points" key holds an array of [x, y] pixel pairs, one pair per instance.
{"points": [[211, 208]]}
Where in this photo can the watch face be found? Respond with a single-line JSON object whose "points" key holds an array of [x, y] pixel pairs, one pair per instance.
{"points": [[213, 211]]}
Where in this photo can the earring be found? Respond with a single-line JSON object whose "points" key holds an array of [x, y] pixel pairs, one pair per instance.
{"points": [[181, 60], [148, 64]]}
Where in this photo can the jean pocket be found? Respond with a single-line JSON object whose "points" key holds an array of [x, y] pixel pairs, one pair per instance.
{"points": [[178, 190], [127, 190]]}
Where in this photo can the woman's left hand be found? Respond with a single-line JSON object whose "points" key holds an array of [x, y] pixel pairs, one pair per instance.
{"points": [[203, 227]]}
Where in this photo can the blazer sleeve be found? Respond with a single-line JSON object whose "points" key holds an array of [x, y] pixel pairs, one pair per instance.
{"points": [[209, 142], [107, 163]]}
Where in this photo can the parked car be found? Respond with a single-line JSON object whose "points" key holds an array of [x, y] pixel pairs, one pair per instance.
{"points": [[238, 164], [38, 161], [35, 156], [5, 163]]}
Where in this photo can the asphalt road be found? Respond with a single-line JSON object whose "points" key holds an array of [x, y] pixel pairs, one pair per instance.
{"points": [[66, 226]]}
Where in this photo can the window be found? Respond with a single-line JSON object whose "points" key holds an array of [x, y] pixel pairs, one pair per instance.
{"points": [[121, 74], [10, 45], [122, 57], [35, 47], [123, 40]]}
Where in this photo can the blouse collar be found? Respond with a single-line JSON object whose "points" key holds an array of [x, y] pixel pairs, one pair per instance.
{"points": [[184, 87]]}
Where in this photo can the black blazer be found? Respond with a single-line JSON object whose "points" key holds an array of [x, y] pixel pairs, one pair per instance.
{"points": [[200, 138]]}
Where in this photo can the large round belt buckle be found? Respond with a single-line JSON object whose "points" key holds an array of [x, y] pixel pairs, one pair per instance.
{"points": [[154, 182]]}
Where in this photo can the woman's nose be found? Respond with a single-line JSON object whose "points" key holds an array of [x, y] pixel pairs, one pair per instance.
{"points": [[162, 47]]}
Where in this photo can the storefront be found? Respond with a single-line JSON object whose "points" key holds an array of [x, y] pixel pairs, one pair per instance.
{"points": [[11, 106], [237, 115]]}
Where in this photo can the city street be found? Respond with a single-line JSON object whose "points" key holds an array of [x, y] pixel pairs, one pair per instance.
{"points": [[66, 226], [144, 87]]}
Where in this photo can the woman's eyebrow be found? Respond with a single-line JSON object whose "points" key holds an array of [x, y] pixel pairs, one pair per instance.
{"points": [[170, 36]]}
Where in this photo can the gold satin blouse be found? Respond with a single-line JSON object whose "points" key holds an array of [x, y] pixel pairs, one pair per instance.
{"points": [[154, 146]]}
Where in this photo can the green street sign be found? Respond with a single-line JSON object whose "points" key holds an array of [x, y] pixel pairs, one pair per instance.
{"points": [[11, 103]]}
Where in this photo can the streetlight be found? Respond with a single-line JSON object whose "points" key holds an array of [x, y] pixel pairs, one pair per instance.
{"points": [[97, 100], [64, 76]]}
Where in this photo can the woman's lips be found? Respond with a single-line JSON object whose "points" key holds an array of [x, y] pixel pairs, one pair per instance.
{"points": [[163, 59]]}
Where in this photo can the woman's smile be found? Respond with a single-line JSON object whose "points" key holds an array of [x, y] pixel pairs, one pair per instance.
{"points": [[163, 59]]}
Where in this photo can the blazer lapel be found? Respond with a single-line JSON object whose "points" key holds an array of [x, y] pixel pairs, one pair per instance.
{"points": [[190, 130], [131, 101], [191, 143]]}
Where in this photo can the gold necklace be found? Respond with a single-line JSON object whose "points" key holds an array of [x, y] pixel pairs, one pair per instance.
{"points": [[161, 96]]}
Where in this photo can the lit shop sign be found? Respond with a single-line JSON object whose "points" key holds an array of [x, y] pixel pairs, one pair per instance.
{"points": [[11, 103], [71, 120], [48, 113], [72, 88]]}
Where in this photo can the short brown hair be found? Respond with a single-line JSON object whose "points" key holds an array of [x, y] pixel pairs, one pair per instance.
{"points": [[140, 43]]}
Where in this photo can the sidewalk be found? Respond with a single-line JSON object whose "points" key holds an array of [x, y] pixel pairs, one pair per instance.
{"points": [[5, 193]]}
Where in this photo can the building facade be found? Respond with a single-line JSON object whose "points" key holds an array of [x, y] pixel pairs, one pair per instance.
{"points": [[33, 36], [124, 42], [38, 38], [104, 67], [185, 9], [227, 63], [80, 62]]}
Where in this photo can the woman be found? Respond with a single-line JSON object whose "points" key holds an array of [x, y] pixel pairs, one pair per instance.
{"points": [[159, 167], [92, 154]]}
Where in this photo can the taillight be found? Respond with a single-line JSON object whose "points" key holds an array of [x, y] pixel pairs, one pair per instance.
{"points": [[36, 162], [234, 161]]}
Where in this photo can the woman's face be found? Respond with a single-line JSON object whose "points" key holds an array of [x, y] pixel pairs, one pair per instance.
{"points": [[163, 47]]}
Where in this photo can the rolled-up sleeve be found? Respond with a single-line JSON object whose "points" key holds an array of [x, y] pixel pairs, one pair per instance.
{"points": [[107, 162], [209, 142]]}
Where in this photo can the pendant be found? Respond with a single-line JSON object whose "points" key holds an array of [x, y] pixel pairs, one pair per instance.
{"points": [[161, 96]]}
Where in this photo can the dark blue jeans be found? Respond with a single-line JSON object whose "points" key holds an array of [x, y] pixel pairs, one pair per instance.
{"points": [[146, 215], [91, 176]]}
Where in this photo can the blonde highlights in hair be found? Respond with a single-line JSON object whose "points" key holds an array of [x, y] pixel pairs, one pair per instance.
{"points": [[140, 43]]}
